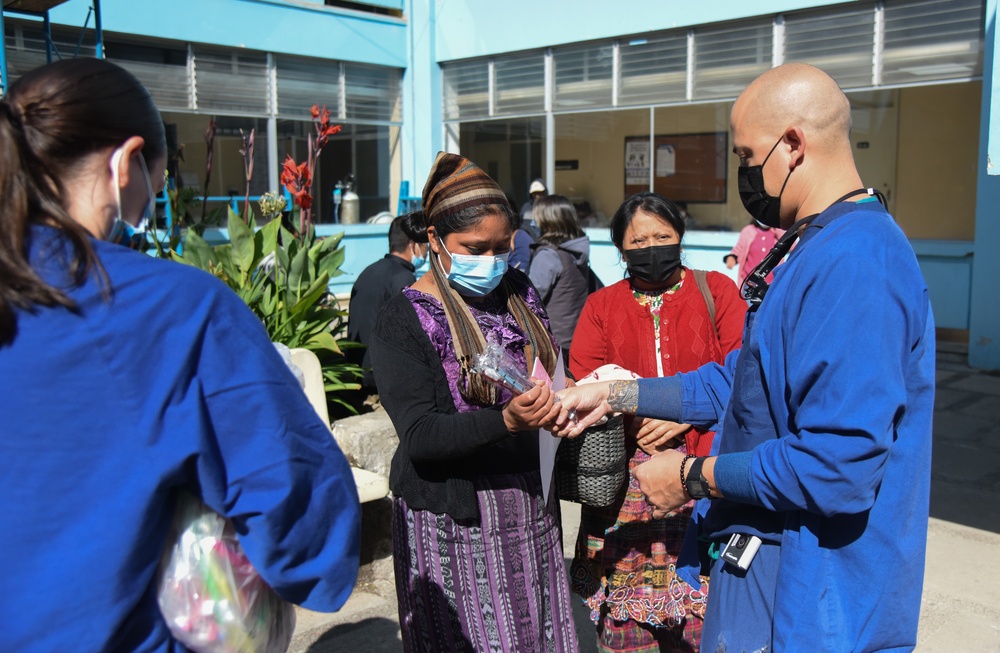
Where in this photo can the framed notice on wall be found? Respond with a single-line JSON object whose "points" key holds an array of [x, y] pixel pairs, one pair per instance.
{"points": [[685, 167]]}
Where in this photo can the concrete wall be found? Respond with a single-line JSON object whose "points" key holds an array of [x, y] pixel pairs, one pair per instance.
{"points": [[946, 265], [303, 27], [936, 177], [476, 28]]}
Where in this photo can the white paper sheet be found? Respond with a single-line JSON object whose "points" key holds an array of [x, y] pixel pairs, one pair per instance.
{"points": [[548, 443]]}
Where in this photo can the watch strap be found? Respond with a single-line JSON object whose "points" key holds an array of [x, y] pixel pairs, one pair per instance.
{"points": [[696, 484]]}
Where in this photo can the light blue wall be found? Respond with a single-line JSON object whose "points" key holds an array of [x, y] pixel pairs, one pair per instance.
{"points": [[984, 320], [301, 28], [475, 28], [946, 265], [422, 109]]}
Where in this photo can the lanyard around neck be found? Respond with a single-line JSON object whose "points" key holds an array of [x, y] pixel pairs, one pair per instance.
{"points": [[755, 284]]}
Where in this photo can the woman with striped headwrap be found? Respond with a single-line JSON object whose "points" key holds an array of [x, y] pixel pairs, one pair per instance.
{"points": [[478, 553]]}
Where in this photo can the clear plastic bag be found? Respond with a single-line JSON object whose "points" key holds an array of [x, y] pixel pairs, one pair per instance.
{"points": [[211, 597]]}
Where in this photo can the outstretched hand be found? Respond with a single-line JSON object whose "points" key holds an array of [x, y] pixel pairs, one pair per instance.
{"points": [[590, 404], [535, 409]]}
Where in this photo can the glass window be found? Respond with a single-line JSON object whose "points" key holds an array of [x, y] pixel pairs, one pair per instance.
{"points": [[520, 84], [359, 150], [161, 69], [373, 92], [653, 69], [841, 43], [583, 76], [510, 151], [932, 40], [728, 58], [303, 83], [231, 81], [602, 157], [466, 89]]}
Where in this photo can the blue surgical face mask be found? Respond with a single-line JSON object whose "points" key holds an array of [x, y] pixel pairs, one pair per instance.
{"points": [[417, 259], [475, 276], [127, 227]]}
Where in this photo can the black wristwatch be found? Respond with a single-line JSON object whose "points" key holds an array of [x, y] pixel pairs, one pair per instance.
{"points": [[696, 484]]}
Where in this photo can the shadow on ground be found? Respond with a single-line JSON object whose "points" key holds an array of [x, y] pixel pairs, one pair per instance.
{"points": [[372, 634], [965, 467]]}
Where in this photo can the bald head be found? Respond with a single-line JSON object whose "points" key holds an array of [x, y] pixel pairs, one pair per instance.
{"points": [[797, 94]]}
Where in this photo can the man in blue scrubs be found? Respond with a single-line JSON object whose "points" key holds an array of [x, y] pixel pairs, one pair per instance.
{"points": [[822, 465]]}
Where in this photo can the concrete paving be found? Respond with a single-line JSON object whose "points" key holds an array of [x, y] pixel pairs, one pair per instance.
{"points": [[960, 611]]}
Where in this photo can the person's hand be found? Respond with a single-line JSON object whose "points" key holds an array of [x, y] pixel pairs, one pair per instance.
{"points": [[589, 401], [730, 262], [535, 409], [656, 435], [660, 480]]}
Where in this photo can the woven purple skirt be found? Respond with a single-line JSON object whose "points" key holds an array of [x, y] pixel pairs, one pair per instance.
{"points": [[497, 586]]}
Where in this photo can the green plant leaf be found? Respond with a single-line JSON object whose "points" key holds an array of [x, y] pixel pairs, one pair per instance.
{"points": [[269, 236], [310, 296], [296, 272], [241, 238], [196, 251], [330, 264], [324, 340]]}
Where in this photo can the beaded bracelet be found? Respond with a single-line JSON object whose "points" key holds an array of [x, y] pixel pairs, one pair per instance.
{"points": [[683, 465]]}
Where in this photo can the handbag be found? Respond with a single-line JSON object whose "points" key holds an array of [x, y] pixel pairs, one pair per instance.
{"points": [[592, 468]]}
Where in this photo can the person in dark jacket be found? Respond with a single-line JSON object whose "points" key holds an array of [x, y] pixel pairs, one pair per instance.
{"points": [[380, 281], [560, 266]]}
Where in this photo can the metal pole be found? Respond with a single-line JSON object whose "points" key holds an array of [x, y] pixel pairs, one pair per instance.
{"points": [[47, 28], [98, 31], [3, 56]]}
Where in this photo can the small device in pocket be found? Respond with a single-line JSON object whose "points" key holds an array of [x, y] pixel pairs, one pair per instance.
{"points": [[740, 550]]}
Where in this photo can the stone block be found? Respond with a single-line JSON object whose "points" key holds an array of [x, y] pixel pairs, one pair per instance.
{"points": [[368, 440]]}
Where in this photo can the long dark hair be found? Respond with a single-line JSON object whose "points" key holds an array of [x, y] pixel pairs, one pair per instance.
{"points": [[653, 203], [52, 118], [556, 219]]}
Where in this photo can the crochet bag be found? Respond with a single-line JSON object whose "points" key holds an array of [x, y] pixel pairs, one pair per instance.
{"points": [[592, 469]]}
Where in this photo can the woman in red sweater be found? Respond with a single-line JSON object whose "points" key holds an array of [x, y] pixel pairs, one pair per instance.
{"points": [[656, 322]]}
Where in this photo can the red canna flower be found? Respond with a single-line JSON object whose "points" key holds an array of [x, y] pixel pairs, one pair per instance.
{"points": [[298, 180]]}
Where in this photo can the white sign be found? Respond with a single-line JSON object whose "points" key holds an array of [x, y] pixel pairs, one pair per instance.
{"points": [[636, 163], [666, 161]]}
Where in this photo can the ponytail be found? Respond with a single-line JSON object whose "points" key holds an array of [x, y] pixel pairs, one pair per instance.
{"points": [[28, 193]]}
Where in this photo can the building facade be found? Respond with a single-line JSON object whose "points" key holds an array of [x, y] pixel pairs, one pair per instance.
{"points": [[599, 99]]}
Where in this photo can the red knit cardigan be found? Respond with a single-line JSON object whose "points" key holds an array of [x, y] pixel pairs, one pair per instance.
{"points": [[615, 328]]}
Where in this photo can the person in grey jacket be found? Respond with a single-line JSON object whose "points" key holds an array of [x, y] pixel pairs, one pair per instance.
{"points": [[560, 266]]}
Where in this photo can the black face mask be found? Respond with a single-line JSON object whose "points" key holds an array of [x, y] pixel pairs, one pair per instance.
{"points": [[653, 264], [762, 207]]}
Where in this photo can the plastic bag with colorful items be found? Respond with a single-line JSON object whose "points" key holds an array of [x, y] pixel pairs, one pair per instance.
{"points": [[211, 597]]}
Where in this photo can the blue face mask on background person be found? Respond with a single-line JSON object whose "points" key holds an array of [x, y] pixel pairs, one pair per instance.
{"points": [[762, 207], [475, 276], [417, 260]]}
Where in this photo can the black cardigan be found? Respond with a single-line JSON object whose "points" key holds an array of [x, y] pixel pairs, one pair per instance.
{"points": [[440, 450]]}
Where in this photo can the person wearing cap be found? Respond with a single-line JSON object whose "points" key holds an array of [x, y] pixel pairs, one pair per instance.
{"points": [[536, 190], [477, 551]]}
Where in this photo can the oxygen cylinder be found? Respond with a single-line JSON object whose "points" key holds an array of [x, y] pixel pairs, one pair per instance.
{"points": [[350, 207]]}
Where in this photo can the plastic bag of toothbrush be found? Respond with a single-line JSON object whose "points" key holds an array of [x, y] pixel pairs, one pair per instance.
{"points": [[497, 365]]}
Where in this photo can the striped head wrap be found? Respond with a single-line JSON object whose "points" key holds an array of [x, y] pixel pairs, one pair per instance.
{"points": [[455, 183]]}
